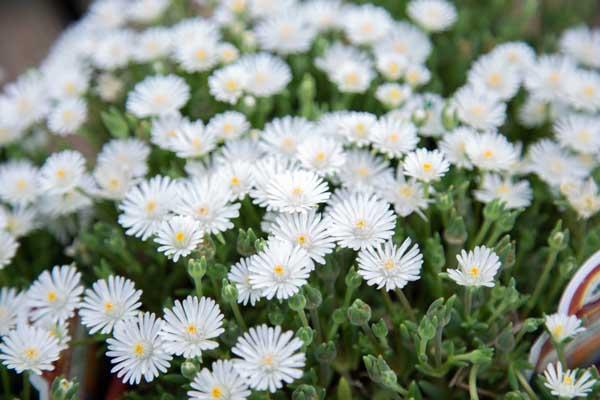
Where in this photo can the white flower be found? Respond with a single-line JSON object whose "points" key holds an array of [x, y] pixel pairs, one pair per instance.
{"points": [[479, 108], [393, 95], [146, 206], [583, 44], [566, 384], [129, 154], [268, 357], [454, 146], [112, 49], [62, 172], [158, 95], [67, 117], [19, 182], [208, 202], [193, 140], [29, 348], [20, 220], [391, 65], [547, 79], [237, 177], [518, 55], [54, 296], [361, 220], [228, 53], [190, 325], [363, 171], [553, 164], [283, 135], [144, 11], [108, 302], [426, 165], [285, 33], [199, 55], [228, 125], [306, 230], [323, 14], [407, 196], [489, 74], [8, 248], [366, 24], [390, 267], [112, 180], [67, 82], [585, 198], [432, 15], [153, 44], [264, 169], [416, 75], [394, 137], [280, 270], [579, 132], [323, 155], [513, 194], [563, 326], [267, 74], [228, 83], [478, 267], [221, 382], [407, 40], [137, 350], [109, 87], [166, 129], [491, 151], [24, 102], [349, 68], [296, 191], [240, 276], [178, 236], [583, 90], [12, 304], [356, 127]]}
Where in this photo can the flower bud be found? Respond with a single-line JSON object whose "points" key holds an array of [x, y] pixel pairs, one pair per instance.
{"points": [[297, 302], [326, 352], [445, 201], [229, 292], [456, 231], [189, 369], [419, 117], [359, 313], [305, 392], [344, 392], [353, 279], [275, 314], [313, 297], [197, 268], [434, 253], [207, 248], [449, 117], [339, 316], [306, 335], [494, 210], [558, 239], [380, 329], [64, 389]]}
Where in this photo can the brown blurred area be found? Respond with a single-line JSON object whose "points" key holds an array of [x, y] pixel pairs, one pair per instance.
{"points": [[27, 30]]}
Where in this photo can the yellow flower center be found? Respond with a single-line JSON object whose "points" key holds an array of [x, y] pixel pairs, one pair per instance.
{"points": [[61, 173], [200, 54], [180, 236], [360, 129], [21, 184], [235, 181], [278, 269], [393, 68], [427, 166], [288, 144], [231, 85], [351, 78], [361, 224], [151, 206], [474, 271], [191, 329], [301, 240], [172, 133], [362, 171], [488, 154], [31, 353], [412, 76], [554, 77], [68, 115], [589, 91], [400, 47], [108, 306], [216, 392], [406, 191], [52, 296], [320, 156], [228, 128], [495, 79], [267, 360], [138, 349], [113, 183], [567, 380], [70, 88], [395, 94], [160, 99], [297, 191], [503, 189], [203, 211], [477, 110], [393, 137], [389, 264], [584, 136], [557, 331]]}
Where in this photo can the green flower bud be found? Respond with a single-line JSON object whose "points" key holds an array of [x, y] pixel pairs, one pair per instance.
{"points": [[259, 245], [197, 268], [567, 267], [359, 313], [558, 239], [275, 314], [305, 392], [64, 389], [507, 221], [229, 291], [353, 279], [313, 297], [494, 210], [245, 242], [480, 356], [189, 369], [449, 117], [419, 117], [445, 201], [306, 335], [339, 316], [326, 352], [380, 372], [218, 272], [344, 391], [307, 88], [532, 324], [297, 302], [380, 329], [427, 328], [456, 231]]}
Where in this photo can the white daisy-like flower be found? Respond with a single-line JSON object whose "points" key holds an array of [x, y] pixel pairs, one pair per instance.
{"points": [[366, 24], [349, 68], [237, 176], [363, 171], [285, 33], [479, 108], [268, 357], [585, 198], [406, 195], [199, 55], [534, 112], [307, 230], [146, 205], [137, 349], [283, 135], [583, 90], [323, 14], [166, 129], [145, 11], [264, 170], [178, 236], [432, 15], [476, 268], [240, 276], [498, 78], [67, 82], [579, 132], [563, 326], [429, 107], [394, 137], [583, 44], [547, 79], [29, 348], [153, 44], [54, 296], [128, 154], [221, 382], [228, 125], [108, 302], [8, 248], [390, 267], [113, 181], [228, 53], [360, 221], [19, 182], [193, 140], [296, 191], [393, 95], [109, 87], [323, 155], [67, 117], [513, 194], [20, 220], [24, 102], [280, 270], [416, 75], [62, 172], [191, 325], [107, 14], [491, 152], [158, 95], [391, 65], [426, 165], [554, 164], [567, 384], [454, 146], [407, 40], [518, 55], [267, 74], [228, 83], [113, 49], [356, 127], [12, 303], [209, 203]]}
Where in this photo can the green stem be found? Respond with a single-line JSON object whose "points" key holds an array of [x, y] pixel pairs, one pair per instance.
{"points": [[314, 318], [6, 382], [560, 352], [473, 382], [303, 318], [238, 315], [438, 347], [485, 227], [26, 386], [541, 283], [198, 286], [496, 233], [335, 326], [406, 304], [526, 386], [388, 301], [468, 301], [378, 347]]}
